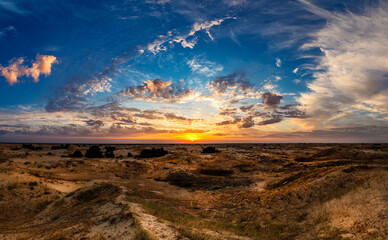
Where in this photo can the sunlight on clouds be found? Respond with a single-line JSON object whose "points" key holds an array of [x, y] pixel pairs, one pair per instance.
{"points": [[354, 64], [16, 69], [186, 40]]}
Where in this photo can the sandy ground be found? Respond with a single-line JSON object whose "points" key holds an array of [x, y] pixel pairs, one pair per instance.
{"points": [[243, 191]]}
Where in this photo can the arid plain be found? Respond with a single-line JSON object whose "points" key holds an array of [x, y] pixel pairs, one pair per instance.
{"points": [[230, 191]]}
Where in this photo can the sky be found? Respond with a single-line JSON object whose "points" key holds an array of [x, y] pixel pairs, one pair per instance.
{"points": [[193, 71]]}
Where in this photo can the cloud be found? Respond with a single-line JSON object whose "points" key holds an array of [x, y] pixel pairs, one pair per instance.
{"points": [[270, 100], [275, 118], [247, 122], [73, 95], [278, 62], [16, 69], [236, 81], [174, 117], [156, 90], [6, 30], [229, 122], [295, 70], [187, 40], [94, 123], [12, 7], [204, 67], [353, 70]]}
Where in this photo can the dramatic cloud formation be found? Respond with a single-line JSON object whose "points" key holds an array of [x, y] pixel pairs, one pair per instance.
{"points": [[270, 100], [236, 81], [16, 69], [156, 90], [210, 70], [353, 69]]}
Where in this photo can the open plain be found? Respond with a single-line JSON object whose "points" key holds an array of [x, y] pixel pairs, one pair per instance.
{"points": [[231, 191]]}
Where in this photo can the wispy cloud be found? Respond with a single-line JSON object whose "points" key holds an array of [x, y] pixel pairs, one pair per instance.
{"points": [[188, 40], [5, 31], [353, 69], [12, 6], [202, 66]]}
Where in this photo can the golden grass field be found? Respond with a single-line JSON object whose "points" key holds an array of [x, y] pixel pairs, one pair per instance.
{"points": [[244, 191]]}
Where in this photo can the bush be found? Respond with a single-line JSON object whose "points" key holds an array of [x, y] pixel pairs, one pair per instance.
{"points": [[129, 154], [31, 147], [109, 152], [62, 146], [216, 172], [210, 150], [99, 191], [304, 159], [153, 152], [93, 152], [76, 154]]}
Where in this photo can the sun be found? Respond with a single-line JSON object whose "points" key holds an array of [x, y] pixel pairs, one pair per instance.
{"points": [[190, 137]]}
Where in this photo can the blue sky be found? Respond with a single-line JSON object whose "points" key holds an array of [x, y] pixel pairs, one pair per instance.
{"points": [[216, 71]]}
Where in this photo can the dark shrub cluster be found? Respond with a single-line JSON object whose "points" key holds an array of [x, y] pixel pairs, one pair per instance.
{"points": [[109, 152], [31, 147], [130, 154], [216, 172], [62, 146], [304, 159], [153, 152], [189, 180], [93, 152], [76, 154], [210, 150]]}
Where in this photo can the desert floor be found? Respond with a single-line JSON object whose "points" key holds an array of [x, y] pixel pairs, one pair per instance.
{"points": [[244, 191]]}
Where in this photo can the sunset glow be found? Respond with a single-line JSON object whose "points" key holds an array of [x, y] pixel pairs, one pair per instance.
{"points": [[194, 72]]}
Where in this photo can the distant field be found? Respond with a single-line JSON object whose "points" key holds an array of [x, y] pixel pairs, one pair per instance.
{"points": [[231, 191]]}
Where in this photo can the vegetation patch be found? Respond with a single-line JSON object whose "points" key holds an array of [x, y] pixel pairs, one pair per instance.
{"points": [[304, 159], [31, 147], [216, 172], [109, 152], [62, 146], [153, 152], [99, 191], [94, 152], [210, 150], [189, 180], [76, 154]]}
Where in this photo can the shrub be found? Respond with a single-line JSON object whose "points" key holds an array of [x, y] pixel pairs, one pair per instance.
{"points": [[153, 152], [216, 172], [99, 191], [93, 152], [110, 149], [3, 160], [129, 154], [304, 159], [76, 154], [62, 146], [109, 152], [31, 147], [210, 150]]}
